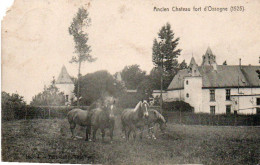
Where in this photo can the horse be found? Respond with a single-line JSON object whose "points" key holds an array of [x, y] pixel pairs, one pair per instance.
{"points": [[83, 117], [133, 119], [155, 118], [104, 118]]}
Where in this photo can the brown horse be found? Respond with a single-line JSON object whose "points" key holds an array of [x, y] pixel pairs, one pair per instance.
{"points": [[84, 117], [133, 119], [104, 118], [155, 118]]}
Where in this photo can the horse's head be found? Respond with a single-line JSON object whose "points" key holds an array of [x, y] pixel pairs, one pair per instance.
{"points": [[109, 106], [157, 117], [145, 106]]}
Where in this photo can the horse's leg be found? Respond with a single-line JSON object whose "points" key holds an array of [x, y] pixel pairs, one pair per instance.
{"points": [[127, 132], [111, 133], [141, 134], [88, 132], [134, 133], [72, 128], [152, 132], [94, 133], [103, 134]]}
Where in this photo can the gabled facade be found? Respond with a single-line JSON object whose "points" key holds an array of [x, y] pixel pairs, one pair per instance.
{"points": [[65, 84], [217, 89]]}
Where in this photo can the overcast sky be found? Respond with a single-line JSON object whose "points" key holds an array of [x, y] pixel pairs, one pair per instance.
{"points": [[36, 42]]}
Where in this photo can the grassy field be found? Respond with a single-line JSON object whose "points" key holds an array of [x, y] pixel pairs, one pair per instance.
{"points": [[48, 140]]}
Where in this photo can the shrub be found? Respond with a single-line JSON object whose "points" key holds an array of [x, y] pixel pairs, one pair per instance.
{"points": [[12, 106], [177, 106]]}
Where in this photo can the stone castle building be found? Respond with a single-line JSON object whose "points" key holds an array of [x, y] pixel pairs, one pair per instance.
{"points": [[217, 89]]}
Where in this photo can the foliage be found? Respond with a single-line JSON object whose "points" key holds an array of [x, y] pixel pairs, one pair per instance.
{"points": [[177, 106], [49, 97], [155, 77], [129, 100], [12, 105], [165, 53], [78, 30], [145, 88], [132, 76], [182, 65], [94, 85]]}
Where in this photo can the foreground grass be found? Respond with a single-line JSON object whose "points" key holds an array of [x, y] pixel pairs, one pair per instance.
{"points": [[48, 141]]}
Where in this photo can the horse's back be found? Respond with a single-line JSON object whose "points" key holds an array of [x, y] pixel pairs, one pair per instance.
{"points": [[128, 117], [79, 116], [100, 119]]}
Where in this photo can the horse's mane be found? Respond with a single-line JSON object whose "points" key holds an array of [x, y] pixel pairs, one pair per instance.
{"points": [[159, 116], [137, 106]]}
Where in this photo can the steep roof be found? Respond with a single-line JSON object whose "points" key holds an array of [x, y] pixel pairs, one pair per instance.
{"points": [[224, 76], [64, 77], [209, 51], [192, 62]]}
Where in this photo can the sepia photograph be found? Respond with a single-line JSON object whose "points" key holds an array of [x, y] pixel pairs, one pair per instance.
{"points": [[130, 82]]}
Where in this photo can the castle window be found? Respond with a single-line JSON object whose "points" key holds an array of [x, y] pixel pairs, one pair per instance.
{"points": [[187, 95], [228, 109], [212, 95], [227, 94], [66, 98], [212, 110], [187, 82]]}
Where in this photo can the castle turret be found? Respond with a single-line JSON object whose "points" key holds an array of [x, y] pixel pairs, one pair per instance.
{"points": [[65, 84], [209, 58]]}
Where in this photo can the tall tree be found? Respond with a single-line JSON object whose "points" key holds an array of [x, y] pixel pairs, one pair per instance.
{"points": [[78, 29], [165, 54]]}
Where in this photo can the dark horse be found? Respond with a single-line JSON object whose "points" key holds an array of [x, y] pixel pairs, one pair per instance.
{"points": [[155, 118], [133, 119], [104, 118], [84, 117]]}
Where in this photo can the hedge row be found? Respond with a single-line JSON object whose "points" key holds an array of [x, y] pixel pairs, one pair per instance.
{"points": [[208, 119], [189, 118], [31, 112]]}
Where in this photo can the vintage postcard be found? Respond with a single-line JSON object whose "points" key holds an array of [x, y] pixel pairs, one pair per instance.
{"points": [[131, 82]]}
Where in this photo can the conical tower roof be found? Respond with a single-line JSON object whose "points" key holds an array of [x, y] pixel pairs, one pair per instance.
{"points": [[64, 77], [192, 62], [208, 58], [209, 52]]}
